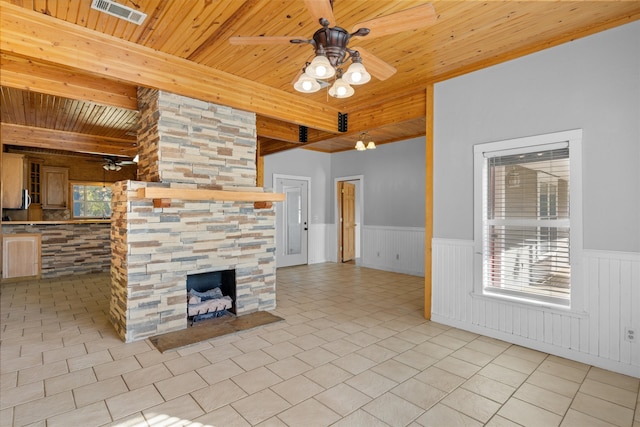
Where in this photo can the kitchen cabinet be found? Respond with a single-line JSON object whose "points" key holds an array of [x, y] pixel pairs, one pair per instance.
{"points": [[20, 255], [55, 187], [12, 180], [35, 189]]}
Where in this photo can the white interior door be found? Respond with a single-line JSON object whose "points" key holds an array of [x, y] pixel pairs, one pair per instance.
{"points": [[292, 223]]}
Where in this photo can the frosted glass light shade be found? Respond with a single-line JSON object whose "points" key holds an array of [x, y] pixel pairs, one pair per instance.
{"points": [[360, 146], [306, 84], [356, 74], [341, 89], [371, 145], [320, 68]]}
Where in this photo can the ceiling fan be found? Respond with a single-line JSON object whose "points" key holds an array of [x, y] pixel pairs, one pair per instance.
{"points": [[332, 52], [113, 164]]}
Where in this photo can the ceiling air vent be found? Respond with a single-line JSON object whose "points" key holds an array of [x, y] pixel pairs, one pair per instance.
{"points": [[118, 10]]}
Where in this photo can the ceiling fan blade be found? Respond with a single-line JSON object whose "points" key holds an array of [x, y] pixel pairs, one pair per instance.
{"points": [[262, 40], [409, 19], [375, 66], [321, 9]]}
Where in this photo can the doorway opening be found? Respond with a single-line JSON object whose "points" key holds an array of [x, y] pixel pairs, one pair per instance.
{"points": [[349, 214]]}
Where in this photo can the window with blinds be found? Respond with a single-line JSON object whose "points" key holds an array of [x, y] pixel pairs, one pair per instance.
{"points": [[526, 223]]}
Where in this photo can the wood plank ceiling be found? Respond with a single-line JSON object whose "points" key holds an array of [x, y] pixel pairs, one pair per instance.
{"points": [[69, 73]]}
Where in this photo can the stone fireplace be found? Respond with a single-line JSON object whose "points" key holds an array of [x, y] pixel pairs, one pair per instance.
{"points": [[186, 145]]}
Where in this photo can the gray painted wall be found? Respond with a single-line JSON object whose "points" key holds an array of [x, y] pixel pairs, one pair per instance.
{"points": [[305, 163], [394, 182], [591, 83]]}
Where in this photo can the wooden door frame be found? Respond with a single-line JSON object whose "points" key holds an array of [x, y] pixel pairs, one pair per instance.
{"points": [[428, 221], [336, 212]]}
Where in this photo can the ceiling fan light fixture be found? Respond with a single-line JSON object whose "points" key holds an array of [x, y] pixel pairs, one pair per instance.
{"points": [[356, 74], [371, 145], [306, 84], [112, 167], [341, 89], [320, 68], [360, 145]]}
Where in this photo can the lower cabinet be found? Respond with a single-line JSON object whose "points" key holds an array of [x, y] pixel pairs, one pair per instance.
{"points": [[20, 255]]}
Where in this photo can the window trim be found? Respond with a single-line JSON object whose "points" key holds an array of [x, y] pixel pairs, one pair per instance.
{"points": [[86, 183], [573, 137]]}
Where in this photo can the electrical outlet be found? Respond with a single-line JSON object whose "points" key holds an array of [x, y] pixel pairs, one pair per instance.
{"points": [[629, 334]]}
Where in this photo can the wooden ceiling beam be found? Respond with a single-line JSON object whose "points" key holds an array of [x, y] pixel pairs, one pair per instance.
{"points": [[403, 108], [271, 146], [21, 73], [289, 132], [29, 136], [34, 35], [277, 136]]}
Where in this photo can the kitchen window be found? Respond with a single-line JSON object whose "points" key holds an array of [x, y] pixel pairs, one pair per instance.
{"points": [[91, 200], [528, 223]]}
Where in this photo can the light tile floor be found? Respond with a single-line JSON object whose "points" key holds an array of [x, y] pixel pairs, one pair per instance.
{"points": [[354, 350]]}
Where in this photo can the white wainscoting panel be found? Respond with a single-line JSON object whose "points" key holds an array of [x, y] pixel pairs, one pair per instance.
{"points": [[317, 241], [398, 249], [612, 281]]}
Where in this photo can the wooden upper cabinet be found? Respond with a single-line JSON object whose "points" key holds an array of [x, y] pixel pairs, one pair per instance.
{"points": [[34, 177], [55, 187], [35, 181], [12, 180]]}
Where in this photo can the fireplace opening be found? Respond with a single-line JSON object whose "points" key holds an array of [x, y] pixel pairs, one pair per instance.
{"points": [[211, 295]]}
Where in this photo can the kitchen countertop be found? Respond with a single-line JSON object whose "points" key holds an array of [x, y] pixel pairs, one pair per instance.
{"points": [[70, 221]]}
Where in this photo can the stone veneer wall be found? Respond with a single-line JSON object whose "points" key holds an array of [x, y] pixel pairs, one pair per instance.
{"points": [[185, 140], [187, 143], [69, 248]]}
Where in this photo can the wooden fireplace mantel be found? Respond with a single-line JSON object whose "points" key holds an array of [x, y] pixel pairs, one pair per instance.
{"points": [[162, 196]]}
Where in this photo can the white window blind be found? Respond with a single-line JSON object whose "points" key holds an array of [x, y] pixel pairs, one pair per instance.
{"points": [[526, 225]]}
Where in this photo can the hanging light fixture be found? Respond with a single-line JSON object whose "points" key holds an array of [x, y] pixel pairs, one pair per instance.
{"points": [[111, 165], [320, 67], [340, 88], [330, 45], [306, 84], [356, 73], [360, 144]]}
